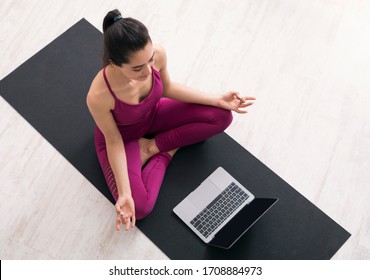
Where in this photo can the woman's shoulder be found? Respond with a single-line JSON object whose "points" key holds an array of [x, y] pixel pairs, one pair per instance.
{"points": [[160, 57], [98, 93]]}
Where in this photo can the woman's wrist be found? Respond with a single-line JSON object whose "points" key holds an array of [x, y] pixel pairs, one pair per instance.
{"points": [[124, 191], [218, 101]]}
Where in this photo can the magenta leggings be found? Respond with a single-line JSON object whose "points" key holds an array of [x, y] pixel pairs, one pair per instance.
{"points": [[176, 124]]}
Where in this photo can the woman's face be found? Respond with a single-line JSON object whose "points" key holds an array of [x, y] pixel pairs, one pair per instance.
{"points": [[140, 66]]}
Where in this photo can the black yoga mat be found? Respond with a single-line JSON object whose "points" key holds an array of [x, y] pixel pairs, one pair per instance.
{"points": [[49, 91]]}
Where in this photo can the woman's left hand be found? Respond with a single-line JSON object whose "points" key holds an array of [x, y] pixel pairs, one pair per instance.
{"points": [[234, 102]]}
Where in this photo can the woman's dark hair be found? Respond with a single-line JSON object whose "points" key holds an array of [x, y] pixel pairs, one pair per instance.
{"points": [[122, 37]]}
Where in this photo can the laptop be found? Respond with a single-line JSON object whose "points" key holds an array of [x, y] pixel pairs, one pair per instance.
{"points": [[220, 210]]}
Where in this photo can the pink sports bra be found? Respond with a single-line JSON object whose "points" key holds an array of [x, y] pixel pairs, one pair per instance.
{"points": [[137, 114]]}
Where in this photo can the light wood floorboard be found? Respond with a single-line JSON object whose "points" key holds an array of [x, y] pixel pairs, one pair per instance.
{"points": [[306, 61]]}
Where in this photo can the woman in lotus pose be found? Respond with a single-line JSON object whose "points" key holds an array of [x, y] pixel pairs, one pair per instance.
{"points": [[142, 117]]}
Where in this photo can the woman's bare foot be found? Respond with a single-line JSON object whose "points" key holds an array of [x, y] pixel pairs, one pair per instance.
{"points": [[148, 148], [172, 152]]}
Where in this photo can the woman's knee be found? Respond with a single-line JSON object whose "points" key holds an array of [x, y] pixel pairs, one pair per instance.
{"points": [[143, 209], [221, 117], [143, 204]]}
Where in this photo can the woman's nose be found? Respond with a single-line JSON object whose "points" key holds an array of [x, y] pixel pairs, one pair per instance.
{"points": [[147, 70]]}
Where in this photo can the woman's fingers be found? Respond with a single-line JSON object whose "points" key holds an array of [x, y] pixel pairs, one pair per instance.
{"points": [[118, 223], [130, 222], [128, 219], [241, 111], [243, 98], [243, 105], [249, 98], [239, 97], [127, 224], [133, 221]]}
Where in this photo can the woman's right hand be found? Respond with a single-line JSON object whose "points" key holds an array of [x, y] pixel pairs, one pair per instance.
{"points": [[125, 208]]}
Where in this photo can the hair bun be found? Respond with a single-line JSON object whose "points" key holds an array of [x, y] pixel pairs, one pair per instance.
{"points": [[117, 18], [110, 18]]}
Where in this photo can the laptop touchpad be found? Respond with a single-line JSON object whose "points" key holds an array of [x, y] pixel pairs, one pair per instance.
{"points": [[204, 195]]}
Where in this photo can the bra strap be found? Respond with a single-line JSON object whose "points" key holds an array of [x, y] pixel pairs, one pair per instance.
{"points": [[107, 83]]}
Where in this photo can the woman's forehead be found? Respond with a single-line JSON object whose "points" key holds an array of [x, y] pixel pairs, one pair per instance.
{"points": [[142, 56]]}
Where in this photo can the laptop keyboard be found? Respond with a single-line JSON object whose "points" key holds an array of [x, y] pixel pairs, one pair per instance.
{"points": [[219, 209]]}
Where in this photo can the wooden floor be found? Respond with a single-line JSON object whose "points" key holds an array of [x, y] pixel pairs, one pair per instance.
{"points": [[306, 61]]}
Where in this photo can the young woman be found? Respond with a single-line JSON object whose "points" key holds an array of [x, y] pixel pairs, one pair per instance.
{"points": [[142, 117]]}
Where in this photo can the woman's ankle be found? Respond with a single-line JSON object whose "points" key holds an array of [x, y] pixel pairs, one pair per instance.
{"points": [[153, 148], [148, 148], [172, 152]]}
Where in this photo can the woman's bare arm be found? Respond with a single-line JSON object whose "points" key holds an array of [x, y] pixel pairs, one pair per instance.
{"points": [[103, 117]]}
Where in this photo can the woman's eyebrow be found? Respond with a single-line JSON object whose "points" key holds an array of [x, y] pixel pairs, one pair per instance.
{"points": [[139, 66]]}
